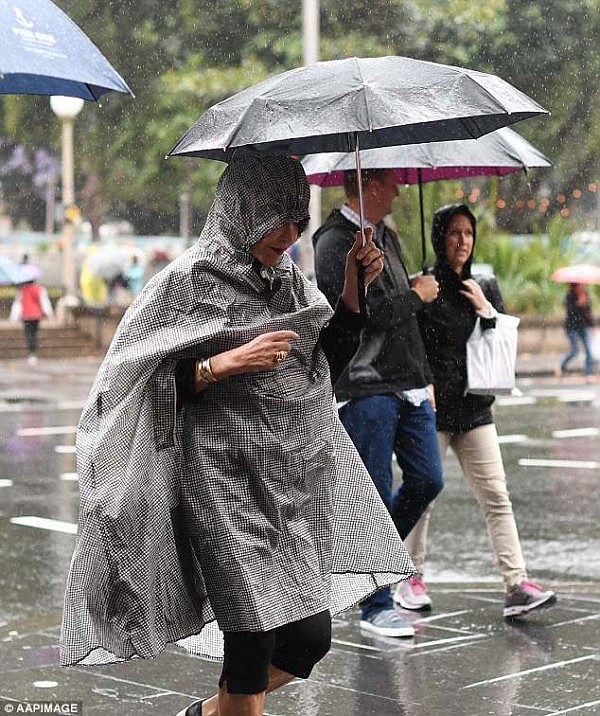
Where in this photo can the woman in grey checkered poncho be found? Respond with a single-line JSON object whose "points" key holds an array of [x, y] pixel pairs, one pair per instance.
{"points": [[217, 484]]}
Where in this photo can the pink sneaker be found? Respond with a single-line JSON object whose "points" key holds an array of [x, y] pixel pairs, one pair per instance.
{"points": [[526, 597], [412, 595]]}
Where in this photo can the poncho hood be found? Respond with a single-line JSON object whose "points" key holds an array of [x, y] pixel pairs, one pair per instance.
{"points": [[257, 194]]}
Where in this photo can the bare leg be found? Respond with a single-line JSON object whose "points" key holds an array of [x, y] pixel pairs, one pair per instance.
{"points": [[224, 704]]}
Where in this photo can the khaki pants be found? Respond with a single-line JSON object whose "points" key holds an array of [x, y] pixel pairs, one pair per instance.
{"points": [[478, 453]]}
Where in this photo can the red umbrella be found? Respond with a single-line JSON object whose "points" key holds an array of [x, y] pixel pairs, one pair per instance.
{"points": [[578, 273]]}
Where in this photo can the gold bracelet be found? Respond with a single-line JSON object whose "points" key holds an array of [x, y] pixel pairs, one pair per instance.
{"points": [[204, 374]]}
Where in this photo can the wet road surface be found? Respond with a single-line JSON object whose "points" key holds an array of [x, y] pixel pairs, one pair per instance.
{"points": [[464, 660]]}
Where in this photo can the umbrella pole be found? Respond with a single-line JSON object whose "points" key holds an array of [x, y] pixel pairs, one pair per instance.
{"points": [[422, 216], [362, 299], [361, 206]]}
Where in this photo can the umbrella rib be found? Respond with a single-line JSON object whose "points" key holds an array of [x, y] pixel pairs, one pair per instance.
{"points": [[236, 128], [364, 94], [495, 99]]}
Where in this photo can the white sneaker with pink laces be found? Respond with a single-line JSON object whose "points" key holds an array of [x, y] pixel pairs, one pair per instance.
{"points": [[526, 597], [412, 595]]}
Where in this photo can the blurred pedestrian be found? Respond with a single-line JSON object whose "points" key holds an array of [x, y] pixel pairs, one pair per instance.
{"points": [[135, 276], [385, 393], [217, 482], [30, 305], [578, 323], [464, 420]]}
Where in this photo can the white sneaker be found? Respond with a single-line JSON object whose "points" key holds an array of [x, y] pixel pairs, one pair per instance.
{"points": [[412, 595], [387, 623], [32, 359]]}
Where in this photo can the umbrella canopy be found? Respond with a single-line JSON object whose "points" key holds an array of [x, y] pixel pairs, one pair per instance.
{"points": [[578, 273], [32, 271], [12, 273], [498, 153], [42, 51], [108, 262], [357, 102]]}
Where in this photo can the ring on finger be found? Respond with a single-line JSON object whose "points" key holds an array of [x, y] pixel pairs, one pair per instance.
{"points": [[280, 355]]}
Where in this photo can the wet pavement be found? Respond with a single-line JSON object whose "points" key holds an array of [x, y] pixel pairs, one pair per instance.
{"points": [[464, 660]]}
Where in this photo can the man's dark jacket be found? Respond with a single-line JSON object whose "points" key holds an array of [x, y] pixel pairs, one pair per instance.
{"points": [[391, 356]]}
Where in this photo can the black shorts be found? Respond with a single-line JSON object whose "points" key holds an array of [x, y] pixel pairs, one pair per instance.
{"points": [[294, 648]]}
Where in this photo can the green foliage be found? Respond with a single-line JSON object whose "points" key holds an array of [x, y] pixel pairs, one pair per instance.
{"points": [[524, 268], [183, 56]]}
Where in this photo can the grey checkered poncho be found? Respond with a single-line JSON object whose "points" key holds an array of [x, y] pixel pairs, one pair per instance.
{"points": [[248, 508]]}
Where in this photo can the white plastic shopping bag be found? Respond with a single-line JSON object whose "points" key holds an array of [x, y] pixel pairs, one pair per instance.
{"points": [[595, 344], [491, 357]]}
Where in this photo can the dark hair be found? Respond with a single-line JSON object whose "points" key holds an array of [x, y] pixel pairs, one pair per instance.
{"points": [[439, 226], [351, 180]]}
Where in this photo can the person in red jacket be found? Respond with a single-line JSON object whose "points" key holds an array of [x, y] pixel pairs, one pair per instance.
{"points": [[30, 306]]}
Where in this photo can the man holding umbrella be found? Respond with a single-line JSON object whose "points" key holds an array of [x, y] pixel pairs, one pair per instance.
{"points": [[385, 393]]}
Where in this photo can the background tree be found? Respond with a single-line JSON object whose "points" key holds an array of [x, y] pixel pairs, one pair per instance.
{"points": [[183, 56]]}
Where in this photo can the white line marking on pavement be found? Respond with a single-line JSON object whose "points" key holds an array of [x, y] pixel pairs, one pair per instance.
{"points": [[160, 689], [70, 405], [511, 402], [45, 524], [10, 408], [577, 398], [576, 433], [589, 704], [443, 615], [590, 617], [69, 476], [450, 629], [508, 439], [49, 430], [576, 464], [547, 667], [66, 449], [328, 684], [453, 640], [6, 483], [358, 646]]}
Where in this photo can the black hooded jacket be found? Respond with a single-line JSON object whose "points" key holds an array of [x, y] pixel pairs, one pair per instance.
{"points": [[446, 325], [391, 356]]}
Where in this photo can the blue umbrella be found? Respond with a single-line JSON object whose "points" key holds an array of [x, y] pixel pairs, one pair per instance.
{"points": [[12, 273], [42, 51]]}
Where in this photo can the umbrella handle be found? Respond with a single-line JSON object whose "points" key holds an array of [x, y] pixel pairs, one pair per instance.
{"points": [[362, 297]]}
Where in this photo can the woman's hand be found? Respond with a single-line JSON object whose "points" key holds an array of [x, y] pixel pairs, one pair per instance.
{"points": [[431, 396], [475, 295], [370, 258], [265, 352]]}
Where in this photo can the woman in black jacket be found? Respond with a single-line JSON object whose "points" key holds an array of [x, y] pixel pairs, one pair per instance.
{"points": [[464, 421]]}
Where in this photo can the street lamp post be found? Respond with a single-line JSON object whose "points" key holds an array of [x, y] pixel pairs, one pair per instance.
{"points": [[310, 28], [67, 109]]}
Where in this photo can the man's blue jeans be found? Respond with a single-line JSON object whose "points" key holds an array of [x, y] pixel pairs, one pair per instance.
{"points": [[383, 425], [574, 335]]}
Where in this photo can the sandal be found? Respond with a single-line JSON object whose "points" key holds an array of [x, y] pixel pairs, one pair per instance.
{"points": [[194, 709]]}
